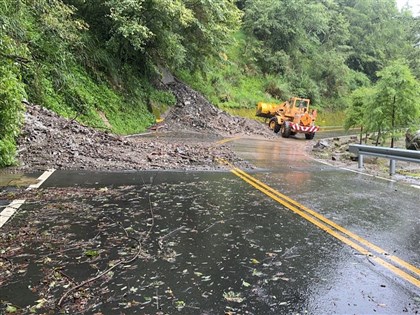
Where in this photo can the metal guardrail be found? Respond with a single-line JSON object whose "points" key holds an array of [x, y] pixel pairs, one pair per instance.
{"points": [[392, 154]]}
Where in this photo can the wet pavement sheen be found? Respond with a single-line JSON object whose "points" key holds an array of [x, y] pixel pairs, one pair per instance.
{"points": [[219, 246]]}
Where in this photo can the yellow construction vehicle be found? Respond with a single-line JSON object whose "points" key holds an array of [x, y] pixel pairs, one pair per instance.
{"points": [[290, 117]]}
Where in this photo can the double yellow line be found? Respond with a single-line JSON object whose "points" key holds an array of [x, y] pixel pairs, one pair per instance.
{"points": [[398, 266]]}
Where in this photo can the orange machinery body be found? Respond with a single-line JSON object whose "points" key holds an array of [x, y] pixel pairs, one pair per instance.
{"points": [[290, 117]]}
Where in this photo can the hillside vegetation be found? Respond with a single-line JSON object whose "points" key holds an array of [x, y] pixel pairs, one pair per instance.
{"points": [[100, 61]]}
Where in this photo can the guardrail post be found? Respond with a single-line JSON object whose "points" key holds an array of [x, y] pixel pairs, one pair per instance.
{"points": [[393, 154], [391, 167]]}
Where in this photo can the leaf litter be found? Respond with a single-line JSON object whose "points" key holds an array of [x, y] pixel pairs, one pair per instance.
{"points": [[70, 235]]}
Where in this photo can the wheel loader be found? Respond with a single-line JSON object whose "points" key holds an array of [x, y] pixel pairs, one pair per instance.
{"points": [[290, 117]]}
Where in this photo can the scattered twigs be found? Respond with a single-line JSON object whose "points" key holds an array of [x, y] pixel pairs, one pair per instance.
{"points": [[82, 284], [163, 238], [64, 275], [152, 215], [288, 251], [192, 307], [157, 298], [211, 225], [71, 120], [367, 257], [121, 262]]}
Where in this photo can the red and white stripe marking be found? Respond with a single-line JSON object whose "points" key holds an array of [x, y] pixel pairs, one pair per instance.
{"points": [[306, 129]]}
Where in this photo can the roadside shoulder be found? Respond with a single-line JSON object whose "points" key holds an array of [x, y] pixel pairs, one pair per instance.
{"points": [[334, 152]]}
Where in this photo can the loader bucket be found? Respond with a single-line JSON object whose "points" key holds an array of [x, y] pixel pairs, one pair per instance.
{"points": [[265, 109]]}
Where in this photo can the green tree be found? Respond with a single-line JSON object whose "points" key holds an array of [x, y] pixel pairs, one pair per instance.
{"points": [[173, 33], [412, 54], [396, 103], [304, 41], [355, 115], [378, 34]]}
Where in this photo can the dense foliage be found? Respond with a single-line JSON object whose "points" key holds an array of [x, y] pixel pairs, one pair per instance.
{"points": [[11, 95], [103, 58], [390, 106]]}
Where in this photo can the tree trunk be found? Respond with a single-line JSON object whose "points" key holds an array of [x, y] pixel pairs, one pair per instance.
{"points": [[377, 137], [393, 123]]}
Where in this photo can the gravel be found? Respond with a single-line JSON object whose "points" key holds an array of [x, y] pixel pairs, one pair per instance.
{"points": [[50, 141], [335, 151]]}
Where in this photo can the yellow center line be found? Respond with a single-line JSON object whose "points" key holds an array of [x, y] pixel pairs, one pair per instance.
{"points": [[226, 140], [317, 219], [336, 226]]}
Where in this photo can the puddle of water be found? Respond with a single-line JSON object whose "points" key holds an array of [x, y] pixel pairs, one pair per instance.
{"points": [[17, 180]]}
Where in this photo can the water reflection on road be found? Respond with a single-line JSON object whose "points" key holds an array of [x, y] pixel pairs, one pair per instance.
{"points": [[382, 211], [218, 246]]}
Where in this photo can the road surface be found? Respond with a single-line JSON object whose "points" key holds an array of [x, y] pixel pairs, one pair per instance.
{"points": [[293, 236]]}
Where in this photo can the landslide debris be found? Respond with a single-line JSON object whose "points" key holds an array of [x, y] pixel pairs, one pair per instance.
{"points": [[50, 141], [195, 113]]}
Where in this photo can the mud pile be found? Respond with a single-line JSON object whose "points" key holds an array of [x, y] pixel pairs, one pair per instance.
{"points": [[194, 113], [50, 141]]}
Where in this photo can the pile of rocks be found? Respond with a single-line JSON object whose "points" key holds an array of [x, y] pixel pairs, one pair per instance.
{"points": [[335, 149], [195, 113], [50, 141]]}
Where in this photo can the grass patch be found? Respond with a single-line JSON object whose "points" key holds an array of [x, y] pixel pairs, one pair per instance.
{"points": [[326, 118], [411, 173], [77, 95], [231, 81]]}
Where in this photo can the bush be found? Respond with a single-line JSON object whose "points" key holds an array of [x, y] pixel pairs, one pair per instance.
{"points": [[11, 112]]}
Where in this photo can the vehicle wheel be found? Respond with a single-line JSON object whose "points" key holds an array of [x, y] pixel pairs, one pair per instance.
{"points": [[273, 124], [309, 136], [285, 129]]}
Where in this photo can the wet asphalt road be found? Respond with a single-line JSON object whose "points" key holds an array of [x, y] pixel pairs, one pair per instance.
{"points": [[220, 246]]}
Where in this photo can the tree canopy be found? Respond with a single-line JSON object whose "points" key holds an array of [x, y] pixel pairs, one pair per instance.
{"points": [[81, 57], [334, 44], [390, 106]]}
